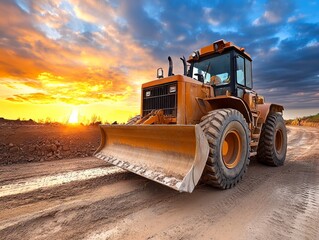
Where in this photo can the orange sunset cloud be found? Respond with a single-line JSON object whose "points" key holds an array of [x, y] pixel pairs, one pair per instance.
{"points": [[96, 70]]}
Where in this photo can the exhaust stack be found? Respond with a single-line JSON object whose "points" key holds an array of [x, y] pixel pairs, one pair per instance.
{"points": [[184, 65], [170, 66]]}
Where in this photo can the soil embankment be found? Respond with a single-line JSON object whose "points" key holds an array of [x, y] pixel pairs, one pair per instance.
{"points": [[33, 143]]}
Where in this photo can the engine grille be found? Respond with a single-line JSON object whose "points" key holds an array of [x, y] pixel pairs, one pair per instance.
{"points": [[160, 97]]}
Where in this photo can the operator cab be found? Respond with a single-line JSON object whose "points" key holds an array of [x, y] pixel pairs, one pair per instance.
{"points": [[224, 66]]}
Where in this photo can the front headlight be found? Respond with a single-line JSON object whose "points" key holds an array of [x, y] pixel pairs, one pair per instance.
{"points": [[148, 94], [172, 89]]}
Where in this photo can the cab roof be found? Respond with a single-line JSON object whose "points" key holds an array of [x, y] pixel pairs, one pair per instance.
{"points": [[216, 47]]}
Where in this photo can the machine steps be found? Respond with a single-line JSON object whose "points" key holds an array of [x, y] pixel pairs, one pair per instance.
{"points": [[255, 135]]}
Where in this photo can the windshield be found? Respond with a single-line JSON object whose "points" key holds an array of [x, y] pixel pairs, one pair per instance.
{"points": [[214, 70]]}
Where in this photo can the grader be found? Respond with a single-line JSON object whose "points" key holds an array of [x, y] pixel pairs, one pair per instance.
{"points": [[204, 125]]}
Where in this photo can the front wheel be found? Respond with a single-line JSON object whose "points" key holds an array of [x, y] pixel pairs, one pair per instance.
{"points": [[272, 147], [228, 136]]}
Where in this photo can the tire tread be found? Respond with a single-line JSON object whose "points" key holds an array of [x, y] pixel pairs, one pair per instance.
{"points": [[266, 152], [212, 124]]}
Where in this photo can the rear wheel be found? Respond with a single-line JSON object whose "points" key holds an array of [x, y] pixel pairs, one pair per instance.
{"points": [[228, 137], [272, 145]]}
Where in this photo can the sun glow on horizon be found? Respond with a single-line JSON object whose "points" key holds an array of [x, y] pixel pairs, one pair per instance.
{"points": [[74, 117], [93, 56]]}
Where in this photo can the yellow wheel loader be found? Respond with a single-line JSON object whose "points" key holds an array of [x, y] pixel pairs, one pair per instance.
{"points": [[203, 125]]}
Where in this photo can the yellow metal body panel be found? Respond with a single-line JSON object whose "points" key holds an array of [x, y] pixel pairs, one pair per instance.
{"points": [[189, 90], [267, 108], [173, 155], [193, 112]]}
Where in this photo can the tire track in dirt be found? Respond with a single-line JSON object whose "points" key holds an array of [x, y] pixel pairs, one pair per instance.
{"points": [[75, 217], [270, 203], [185, 211], [15, 172], [296, 212], [302, 142], [228, 213], [35, 183], [59, 192], [223, 215]]}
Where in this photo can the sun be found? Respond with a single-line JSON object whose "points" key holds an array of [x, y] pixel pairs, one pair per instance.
{"points": [[74, 117]]}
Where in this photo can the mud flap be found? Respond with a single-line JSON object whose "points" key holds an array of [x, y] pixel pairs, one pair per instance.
{"points": [[173, 155]]}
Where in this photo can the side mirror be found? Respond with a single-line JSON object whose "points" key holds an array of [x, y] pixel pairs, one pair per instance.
{"points": [[200, 77], [160, 73]]}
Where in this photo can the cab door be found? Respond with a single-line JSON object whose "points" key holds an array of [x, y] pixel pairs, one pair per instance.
{"points": [[243, 83], [243, 75]]}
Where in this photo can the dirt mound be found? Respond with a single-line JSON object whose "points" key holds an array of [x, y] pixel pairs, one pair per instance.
{"points": [[31, 143], [309, 121], [4, 122]]}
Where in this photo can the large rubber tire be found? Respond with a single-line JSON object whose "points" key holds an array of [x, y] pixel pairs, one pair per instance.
{"points": [[228, 136], [133, 120], [272, 147]]}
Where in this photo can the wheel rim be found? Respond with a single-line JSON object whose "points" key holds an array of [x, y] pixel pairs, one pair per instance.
{"points": [[279, 138], [231, 149]]}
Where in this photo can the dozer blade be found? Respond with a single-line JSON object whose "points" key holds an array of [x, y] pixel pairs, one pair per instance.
{"points": [[173, 155]]}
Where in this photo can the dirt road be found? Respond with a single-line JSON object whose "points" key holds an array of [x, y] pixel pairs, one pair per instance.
{"points": [[88, 199]]}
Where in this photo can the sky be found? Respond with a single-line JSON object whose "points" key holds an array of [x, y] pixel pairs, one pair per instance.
{"points": [[91, 57]]}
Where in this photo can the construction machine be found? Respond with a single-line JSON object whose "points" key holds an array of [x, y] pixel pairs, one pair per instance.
{"points": [[202, 125]]}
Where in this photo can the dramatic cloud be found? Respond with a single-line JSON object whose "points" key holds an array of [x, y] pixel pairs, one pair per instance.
{"points": [[87, 52], [62, 54], [276, 11]]}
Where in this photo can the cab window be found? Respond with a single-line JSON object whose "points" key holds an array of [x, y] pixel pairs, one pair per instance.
{"points": [[243, 72], [214, 70], [240, 71], [248, 73]]}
